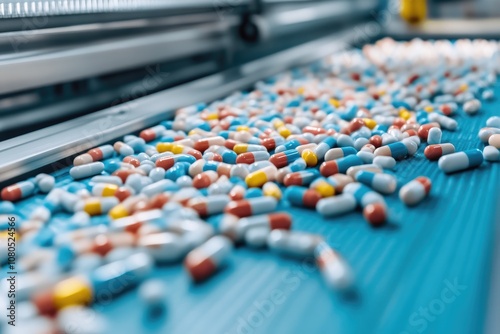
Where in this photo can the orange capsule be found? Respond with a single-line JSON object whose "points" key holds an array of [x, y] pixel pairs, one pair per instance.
{"points": [[133, 161], [434, 152], [375, 214], [376, 141]]}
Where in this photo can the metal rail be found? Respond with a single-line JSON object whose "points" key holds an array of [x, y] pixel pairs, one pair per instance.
{"points": [[29, 152]]}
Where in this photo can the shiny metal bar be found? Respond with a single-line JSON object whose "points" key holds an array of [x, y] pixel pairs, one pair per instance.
{"points": [[47, 67], [41, 148]]}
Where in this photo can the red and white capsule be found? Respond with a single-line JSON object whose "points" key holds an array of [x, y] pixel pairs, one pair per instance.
{"points": [[205, 179], [95, 154], [18, 191], [251, 206], [206, 206], [273, 221], [334, 269], [152, 133], [415, 191], [436, 151], [203, 261], [123, 149]]}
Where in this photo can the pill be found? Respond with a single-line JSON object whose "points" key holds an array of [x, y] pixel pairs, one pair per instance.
{"points": [[260, 177], [423, 131], [206, 206], [243, 148], [493, 121], [257, 237], [164, 247], [251, 157], [18, 191], [339, 152], [278, 220], [459, 161], [384, 162], [271, 189], [123, 149], [336, 205], [486, 133], [302, 197], [237, 192], [45, 182], [152, 133], [97, 205], [396, 150], [375, 214], [494, 140], [323, 187], [95, 154], [363, 194], [434, 136], [251, 206], [284, 158], [334, 269], [203, 261], [472, 107], [444, 121], [87, 170], [153, 293], [491, 153], [383, 183], [301, 178], [323, 147], [293, 243], [434, 152], [340, 165], [352, 171], [339, 181], [415, 191]]}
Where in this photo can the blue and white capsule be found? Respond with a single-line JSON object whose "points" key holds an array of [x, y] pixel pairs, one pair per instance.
{"points": [[383, 183], [460, 161]]}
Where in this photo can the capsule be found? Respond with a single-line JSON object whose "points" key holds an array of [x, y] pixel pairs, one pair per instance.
{"points": [[167, 162], [104, 190], [494, 141], [334, 269], [228, 156], [423, 130], [486, 133], [123, 149], [205, 179], [18, 191], [302, 178], [293, 243], [95, 206], [243, 148], [251, 157], [323, 147], [95, 154], [339, 181], [278, 220], [93, 287], [363, 194], [271, 189], [339, 152], [323, 187], [273, 142], [471, 107], [203, 261], [206, 206], [237, 193], [459, 161], [434, 152], [309, 157], [341, 165], [352, 171], [396, 150], [491, 153], [383, 183], [87, 170], [336, 205], [415, 191], [284, 158], [202, 166], [45, 182], [493, 122], [251, 206], [384, 162], [164, 247], [152, 133], [375, 214], [291, 144], [302, 197], [261, 176], [434, 136]]}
